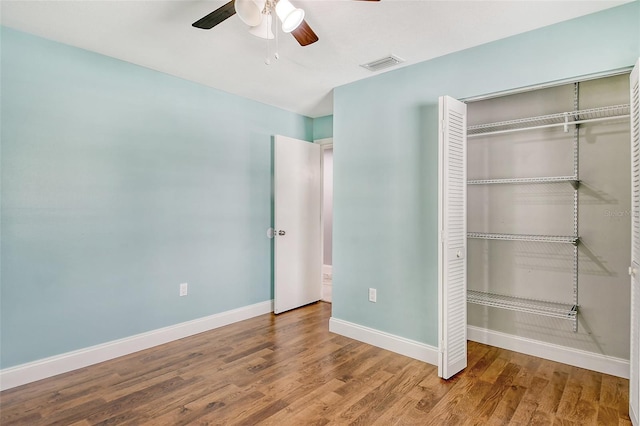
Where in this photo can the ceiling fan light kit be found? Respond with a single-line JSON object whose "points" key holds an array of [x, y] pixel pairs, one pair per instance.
{"points": [[290, 16], [258, 15], [249, 11], [264, 29]]}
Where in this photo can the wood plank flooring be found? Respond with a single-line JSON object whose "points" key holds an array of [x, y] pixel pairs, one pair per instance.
{"points": [[289, 370]]}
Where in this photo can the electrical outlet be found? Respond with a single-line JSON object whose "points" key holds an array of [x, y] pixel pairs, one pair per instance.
{"points": [[373, 295], [184, 289]]}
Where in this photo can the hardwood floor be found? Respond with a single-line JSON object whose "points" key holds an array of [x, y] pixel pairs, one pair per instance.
{"points": [[289, 370]]}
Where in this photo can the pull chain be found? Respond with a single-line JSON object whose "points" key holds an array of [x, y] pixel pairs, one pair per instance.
{"points": [[267, 59], [277, 55]]}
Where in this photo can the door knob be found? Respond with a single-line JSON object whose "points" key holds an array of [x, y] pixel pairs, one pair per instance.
{"points": [[281, 232]]}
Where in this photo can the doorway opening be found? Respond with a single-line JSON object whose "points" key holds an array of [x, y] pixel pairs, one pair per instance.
{"points": [[327, 221]]}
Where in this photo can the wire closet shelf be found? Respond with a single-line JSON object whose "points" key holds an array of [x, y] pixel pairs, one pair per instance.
{"points": [[550, 179], [565, 119], [566, 239], [538, 307]]}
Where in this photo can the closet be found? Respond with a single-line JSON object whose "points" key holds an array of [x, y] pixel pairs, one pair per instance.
{"points": [[548, 215]]}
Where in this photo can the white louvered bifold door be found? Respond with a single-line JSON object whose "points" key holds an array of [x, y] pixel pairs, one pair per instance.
{"points": [[452, 221], [634, 270]]}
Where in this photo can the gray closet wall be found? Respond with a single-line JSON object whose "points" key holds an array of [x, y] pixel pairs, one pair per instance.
{"points": [[545, 270]]}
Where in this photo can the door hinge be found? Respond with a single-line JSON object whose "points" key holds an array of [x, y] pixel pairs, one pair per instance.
{"points": [[442, 349]]}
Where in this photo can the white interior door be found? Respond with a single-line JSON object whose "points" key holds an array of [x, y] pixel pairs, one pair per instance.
{"points": [[298, 256], [634, 270], [452, 222]]}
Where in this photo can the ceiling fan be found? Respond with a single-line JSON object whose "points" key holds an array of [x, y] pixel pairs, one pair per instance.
{"points": [[258, 15]]}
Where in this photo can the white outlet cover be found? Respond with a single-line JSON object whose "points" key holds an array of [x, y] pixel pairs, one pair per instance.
{"points": [[184, 289]]}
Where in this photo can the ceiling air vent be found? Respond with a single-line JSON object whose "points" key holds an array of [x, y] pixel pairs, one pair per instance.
{"points": [[382, 63]]}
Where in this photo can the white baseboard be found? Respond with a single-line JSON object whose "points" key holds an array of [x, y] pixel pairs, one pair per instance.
{"points": [[47, 367], [327, 269], [578, 358], [391, 342]]}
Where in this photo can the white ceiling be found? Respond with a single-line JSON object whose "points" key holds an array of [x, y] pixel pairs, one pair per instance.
{"points": [[158, 35]]}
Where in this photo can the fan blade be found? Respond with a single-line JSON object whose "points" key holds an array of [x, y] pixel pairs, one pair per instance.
{"points": [[217, 16], [304, 34]]}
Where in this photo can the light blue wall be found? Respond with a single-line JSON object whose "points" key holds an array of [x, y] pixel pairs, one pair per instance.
{"points": [[323, 127], [119, 183], [385, 159]]}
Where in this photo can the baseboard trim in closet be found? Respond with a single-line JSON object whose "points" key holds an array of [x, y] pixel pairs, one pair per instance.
{"points": [[63, 363], [578, 358], [390, 342]]}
